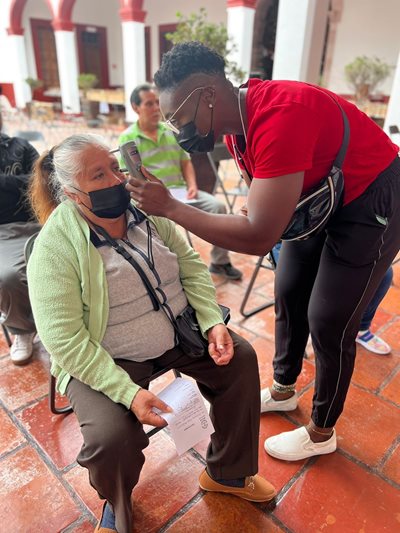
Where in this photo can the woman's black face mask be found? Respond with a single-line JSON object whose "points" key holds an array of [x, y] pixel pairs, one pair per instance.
{"points": [[191, 140], [110, 202]]}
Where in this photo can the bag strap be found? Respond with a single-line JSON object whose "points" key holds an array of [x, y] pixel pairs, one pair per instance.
{"points": [[338, 163], [157, 305]]}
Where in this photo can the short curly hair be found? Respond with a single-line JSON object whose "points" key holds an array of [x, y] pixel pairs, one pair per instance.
{"points": [[184, 60]]}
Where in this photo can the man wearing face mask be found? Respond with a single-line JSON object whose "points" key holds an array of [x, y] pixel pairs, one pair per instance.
{"points": [[169, 162]]}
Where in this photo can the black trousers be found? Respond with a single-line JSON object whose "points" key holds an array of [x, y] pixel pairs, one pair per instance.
{"points": [[323, 285], [114, 439]]}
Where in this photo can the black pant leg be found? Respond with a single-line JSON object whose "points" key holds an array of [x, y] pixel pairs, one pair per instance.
{"points": [[295, 275]]}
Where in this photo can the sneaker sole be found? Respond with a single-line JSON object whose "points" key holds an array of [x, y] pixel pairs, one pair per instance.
{"points": [[278, 409], [369, 348], [23, 362], [284, 457]]}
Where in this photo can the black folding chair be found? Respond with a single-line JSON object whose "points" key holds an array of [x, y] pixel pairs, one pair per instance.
{"points": [[269, 265]]}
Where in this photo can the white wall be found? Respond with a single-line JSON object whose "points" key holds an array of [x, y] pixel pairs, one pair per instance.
{"points": [[104, 13], [367, 27], [6, 68]]}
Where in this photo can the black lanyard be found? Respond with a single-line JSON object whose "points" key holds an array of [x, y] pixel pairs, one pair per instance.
{"points": [[146, 282]]}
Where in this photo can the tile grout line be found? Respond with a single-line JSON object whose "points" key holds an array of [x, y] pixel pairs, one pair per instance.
{"points": [[182, 511], [367, 468], [49, 464]]}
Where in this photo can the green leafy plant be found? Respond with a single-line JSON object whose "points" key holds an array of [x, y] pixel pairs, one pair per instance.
{"points": [[195, 27], [34, 83], [87, 80], [364, 74]]}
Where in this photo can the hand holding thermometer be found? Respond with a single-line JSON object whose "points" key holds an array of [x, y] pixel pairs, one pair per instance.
{"points": [[132, 159]]}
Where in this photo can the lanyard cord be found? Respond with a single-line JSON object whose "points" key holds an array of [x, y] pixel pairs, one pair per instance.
{"points": [[146, 282]]}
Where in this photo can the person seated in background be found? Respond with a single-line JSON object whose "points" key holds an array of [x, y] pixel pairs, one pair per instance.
{"points": [[97, 321], [16, 226], [163, 157]]}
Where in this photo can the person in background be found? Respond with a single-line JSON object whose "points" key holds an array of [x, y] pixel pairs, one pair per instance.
{"points": [[163, 156], [17, 157], [106, 339]]}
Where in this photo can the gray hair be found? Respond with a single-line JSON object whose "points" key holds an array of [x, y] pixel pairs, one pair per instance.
{"points": [[67, 160]]}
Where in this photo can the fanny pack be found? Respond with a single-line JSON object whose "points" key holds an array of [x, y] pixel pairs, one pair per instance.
{"points": [[187, 330], [317, 205]]}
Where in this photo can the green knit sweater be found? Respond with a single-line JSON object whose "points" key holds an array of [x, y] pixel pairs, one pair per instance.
{"points": [[69, 297]]}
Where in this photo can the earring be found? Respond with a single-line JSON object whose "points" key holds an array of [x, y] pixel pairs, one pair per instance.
{"points": [[210, 106]]}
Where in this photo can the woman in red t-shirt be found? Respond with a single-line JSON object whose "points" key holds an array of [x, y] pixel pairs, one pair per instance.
{"points": [[286, 135]]}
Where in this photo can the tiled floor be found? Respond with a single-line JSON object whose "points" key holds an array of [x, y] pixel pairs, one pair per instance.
{"points": [[355, 490]]}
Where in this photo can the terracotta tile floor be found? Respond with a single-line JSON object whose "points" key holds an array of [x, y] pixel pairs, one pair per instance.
{"points": [[354, 490]]}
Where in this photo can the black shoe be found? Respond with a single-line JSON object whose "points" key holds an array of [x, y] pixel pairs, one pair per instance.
{"points": [[227, 270]]}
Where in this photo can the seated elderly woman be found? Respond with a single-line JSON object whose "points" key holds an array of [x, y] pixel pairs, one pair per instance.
{"points": [[96, 319]]}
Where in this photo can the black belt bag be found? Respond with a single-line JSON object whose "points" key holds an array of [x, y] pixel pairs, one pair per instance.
{"points": [[317, 205]]}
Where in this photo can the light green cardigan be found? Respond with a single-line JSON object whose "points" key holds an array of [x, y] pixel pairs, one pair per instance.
{"points": [[69, 297]]}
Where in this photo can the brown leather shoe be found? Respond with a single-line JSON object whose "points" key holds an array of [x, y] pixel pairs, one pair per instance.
{"points": [[256, 488], [104, 529], [100, 529]]}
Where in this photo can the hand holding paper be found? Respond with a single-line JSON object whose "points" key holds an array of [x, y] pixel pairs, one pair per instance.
{"points": [[143, 404], [189, 423]]}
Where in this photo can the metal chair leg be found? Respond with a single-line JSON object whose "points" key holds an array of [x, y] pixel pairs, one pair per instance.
{"points": [[52, 400], [255, 310], [6, 335]]}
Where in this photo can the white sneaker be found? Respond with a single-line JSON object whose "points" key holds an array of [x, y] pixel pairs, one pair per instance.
{"points": [[22, 348], [269, 404], [295, 445], [373, 343]]}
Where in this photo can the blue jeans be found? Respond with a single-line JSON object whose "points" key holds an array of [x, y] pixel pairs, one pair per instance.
{"points": [[373, 305]]}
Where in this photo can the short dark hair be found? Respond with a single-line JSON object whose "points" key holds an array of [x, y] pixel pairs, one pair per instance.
{"points": [[186, 59], [135, 95]]}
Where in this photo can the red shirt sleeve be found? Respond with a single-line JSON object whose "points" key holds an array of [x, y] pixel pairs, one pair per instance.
{"points": [[282, 140]]}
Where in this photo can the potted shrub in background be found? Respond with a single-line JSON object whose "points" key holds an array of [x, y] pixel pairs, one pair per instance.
{"points": [[364, 74], [33, 84], [86, 81]]}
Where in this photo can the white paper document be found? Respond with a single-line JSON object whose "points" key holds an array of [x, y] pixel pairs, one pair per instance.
{"points": [[190, 422], [180, 193]]}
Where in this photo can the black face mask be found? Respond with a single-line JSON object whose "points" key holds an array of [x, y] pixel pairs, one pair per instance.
{"points": [[191, 140], [110, 202]]}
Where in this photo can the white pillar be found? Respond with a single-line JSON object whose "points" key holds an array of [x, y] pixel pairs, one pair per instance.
{"points": [[17, 55], [393, 110], [134, 61], [300, 36], [67, 71], [240, 25]]}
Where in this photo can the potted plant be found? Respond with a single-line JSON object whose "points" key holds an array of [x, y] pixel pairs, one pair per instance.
{"points": [[364, 74], [33, 84], [86, 81]]}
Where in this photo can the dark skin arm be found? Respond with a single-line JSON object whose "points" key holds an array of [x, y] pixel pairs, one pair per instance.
{"points": [[270, 205]]}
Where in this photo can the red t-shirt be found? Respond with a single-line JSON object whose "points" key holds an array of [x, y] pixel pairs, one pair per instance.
{"points": [[295, 126]]}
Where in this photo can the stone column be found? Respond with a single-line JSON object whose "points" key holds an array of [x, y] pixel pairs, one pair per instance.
{"points": [[299, 39], [393, 111], [240, 23], [17, 54], [133, 43], [67, 66]]}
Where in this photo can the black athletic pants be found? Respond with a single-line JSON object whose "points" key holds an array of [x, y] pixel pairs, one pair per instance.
{"points": [[323, 285]]}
